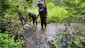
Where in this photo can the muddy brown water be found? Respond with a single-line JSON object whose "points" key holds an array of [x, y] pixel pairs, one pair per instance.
{"points": [[35, 37]]}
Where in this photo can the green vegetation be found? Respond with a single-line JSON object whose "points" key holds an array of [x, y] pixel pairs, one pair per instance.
{"points": [[6, 41], [59, 11], [70, 40], [8, 14], [70, 11]]}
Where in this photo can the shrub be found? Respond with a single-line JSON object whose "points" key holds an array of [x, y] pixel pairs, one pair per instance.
{"points": [[57, 14], [50, 5], [7, 42]]}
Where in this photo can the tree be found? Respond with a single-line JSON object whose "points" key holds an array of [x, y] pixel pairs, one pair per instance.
{"points": [[76, 9], [4, 6]]}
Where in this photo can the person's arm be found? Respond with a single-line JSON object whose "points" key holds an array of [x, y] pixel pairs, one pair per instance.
{"points": [[46, 11], [30, 19], [38, 15]]}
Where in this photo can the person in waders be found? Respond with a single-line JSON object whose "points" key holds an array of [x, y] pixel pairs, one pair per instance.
{"points": [[33, 17], [42, 14]]}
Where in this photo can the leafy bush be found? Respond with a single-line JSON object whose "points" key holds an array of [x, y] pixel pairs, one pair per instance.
{"points": [[76, 9], [7, 42], [50, 5], [57, 14], [4, 6]]}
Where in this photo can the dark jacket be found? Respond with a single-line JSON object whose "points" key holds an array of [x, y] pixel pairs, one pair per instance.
{"points": [[32, 15], [42, 11]]}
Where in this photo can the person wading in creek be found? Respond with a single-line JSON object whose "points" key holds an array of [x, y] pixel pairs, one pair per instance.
{"points": [[21, 17], [33, 17], [43, 14]]}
